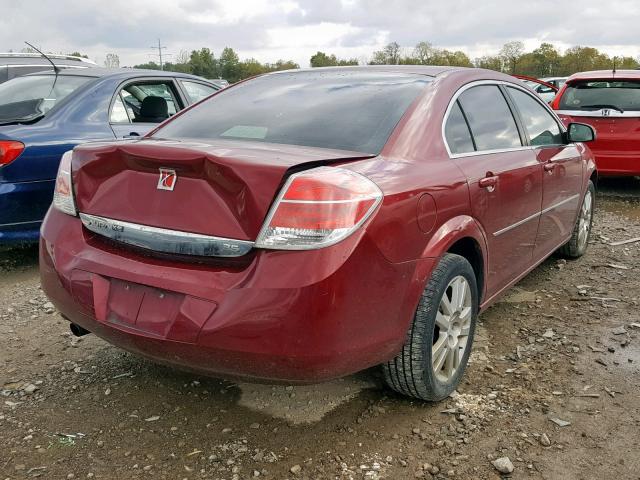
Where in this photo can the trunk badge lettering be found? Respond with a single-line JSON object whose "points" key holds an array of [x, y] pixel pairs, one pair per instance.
{"points": [[167, 180]]}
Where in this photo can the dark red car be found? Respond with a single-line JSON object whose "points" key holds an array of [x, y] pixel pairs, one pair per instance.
{"points": [[308, 224], [609, 101]]}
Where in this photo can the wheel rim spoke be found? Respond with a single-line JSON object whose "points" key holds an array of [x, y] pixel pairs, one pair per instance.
{"points": [[442, 321], [452, 329], [449, 366], [439, 353], [446, 306]]}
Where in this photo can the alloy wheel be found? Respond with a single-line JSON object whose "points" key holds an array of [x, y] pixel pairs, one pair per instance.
{"points": [[584, 222], [451, 330]]}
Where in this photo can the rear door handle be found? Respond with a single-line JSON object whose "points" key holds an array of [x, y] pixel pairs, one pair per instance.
{"points": [[549, 167], [489, 182]]}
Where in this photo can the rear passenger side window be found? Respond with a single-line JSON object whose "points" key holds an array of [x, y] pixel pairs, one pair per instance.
{"points": [[539, 123], [457, 132], [490, 119]]}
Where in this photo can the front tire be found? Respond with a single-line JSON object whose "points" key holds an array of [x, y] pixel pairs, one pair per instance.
{"points": [[432, 361], [577, 244]]}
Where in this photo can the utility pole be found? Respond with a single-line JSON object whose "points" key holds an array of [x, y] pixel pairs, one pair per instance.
{"points": [[159, 54]]}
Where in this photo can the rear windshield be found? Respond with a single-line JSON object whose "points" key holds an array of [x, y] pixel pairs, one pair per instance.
{"points": [[354, 111], [598, 94], [41, 90]]}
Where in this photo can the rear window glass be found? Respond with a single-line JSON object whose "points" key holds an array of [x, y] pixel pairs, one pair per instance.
{"points": [[354, 111], [595, 95], [44, 88]]}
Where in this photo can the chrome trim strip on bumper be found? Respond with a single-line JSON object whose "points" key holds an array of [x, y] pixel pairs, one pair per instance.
{"points": [[164, 240], [610, 113], [535, 215]]}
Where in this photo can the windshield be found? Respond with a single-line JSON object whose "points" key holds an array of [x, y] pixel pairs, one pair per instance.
{"points": [[35, 95], [598, 94], [346, 110]]}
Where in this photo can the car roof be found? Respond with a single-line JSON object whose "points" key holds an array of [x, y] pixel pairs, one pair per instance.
{"points": [[605, 75], [118, 73], [429, 70], [37, 59]]}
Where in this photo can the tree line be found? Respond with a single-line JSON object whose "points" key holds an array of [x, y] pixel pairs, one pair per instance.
{"points": [[227, 66], [544, 61]]}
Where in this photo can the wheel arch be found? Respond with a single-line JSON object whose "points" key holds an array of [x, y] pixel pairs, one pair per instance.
{"points": [[463, 236]]}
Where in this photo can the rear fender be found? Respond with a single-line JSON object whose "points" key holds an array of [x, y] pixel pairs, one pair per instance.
{"points": [[444, 237]]}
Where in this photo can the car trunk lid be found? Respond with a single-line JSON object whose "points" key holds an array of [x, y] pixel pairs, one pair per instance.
{"points": [[222, 189]]}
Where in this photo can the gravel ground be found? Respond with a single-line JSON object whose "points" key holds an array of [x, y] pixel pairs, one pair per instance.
{"points": [[552, 392]]}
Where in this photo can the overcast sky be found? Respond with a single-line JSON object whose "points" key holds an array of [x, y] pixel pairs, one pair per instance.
{"points": [[295, 29]]}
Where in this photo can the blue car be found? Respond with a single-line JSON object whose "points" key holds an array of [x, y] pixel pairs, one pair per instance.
{"points": [[42, 115]]}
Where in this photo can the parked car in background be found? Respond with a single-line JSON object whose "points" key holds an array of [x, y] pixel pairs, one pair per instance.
{"points": [[304, 225], [609, 101], [17, 64], [557, 82], [547, 91], [43, 115]]}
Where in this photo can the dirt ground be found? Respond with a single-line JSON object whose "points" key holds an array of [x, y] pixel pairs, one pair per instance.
{"points": [[562, 348]]}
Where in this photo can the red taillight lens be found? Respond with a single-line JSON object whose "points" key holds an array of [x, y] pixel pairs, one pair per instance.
{"points": [[9, 151], [318, 208]]}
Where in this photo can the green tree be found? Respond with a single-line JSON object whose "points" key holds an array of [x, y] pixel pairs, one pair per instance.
{"points": [[424, 53], [389, 55], [547, 60], [626, 63], [321, 59], [580, 59], [77, 54], [229, 65], [511, 53], [282, 65], [490, 62], [148, 66], [203, 63]]}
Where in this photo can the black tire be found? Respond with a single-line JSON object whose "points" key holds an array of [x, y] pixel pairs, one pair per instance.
{"points": [[574, 248], [411, 372]]}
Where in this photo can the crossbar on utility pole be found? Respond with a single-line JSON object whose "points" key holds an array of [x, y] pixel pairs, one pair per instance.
{"points": [[159, 54]]}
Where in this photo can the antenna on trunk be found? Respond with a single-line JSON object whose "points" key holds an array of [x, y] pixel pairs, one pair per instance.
{"points": [[55, 67]]}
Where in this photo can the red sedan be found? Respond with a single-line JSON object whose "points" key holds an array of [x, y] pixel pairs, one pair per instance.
{"points": [[308, 224], [609, 101]]}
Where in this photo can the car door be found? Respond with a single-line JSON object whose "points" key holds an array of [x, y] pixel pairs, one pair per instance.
{"points": [[562, 167], [504, 178], [128, 117]]}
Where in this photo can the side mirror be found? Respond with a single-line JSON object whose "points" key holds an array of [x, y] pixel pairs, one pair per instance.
{"points": [[580, 132]]}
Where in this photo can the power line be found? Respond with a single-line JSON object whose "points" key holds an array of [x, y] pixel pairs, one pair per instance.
{"points": [[159, 47]]}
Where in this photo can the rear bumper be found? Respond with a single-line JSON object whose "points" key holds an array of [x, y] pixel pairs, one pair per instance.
{"points": [[284, 316], [22, 208], [617, 163]]}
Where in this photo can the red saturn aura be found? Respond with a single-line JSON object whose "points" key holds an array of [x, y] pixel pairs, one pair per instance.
{"points": [[304, 225], [609, 101]]}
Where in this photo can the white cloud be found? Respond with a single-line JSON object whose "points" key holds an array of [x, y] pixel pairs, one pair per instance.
{"points": [[295, 29]]}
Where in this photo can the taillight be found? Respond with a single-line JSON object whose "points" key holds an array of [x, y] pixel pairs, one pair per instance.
{"points": [[318, 208], [9, 151], [63, 193]]}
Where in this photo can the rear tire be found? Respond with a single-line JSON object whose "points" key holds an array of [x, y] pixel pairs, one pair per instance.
{"points": [[434, 357], [577, 244]]}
